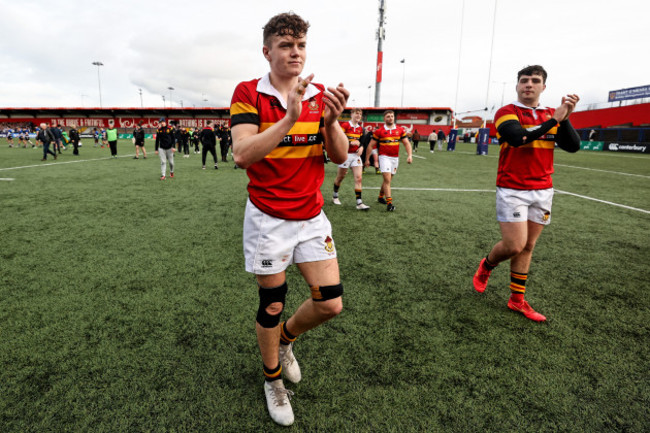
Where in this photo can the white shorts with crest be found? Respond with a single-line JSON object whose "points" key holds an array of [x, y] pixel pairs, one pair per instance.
{"points": [[272, 244], [516, 205], [388, 164], [353, 160]]}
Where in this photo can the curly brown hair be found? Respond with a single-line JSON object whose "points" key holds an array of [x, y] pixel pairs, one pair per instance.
{"points": [[284, 24]]}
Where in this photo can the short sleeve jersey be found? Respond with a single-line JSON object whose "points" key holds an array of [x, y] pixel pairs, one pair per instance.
{"points": [[529, 166], [389, 139], [352, 133], [286, 182]]}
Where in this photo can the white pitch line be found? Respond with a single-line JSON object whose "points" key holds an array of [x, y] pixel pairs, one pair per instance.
{"points": [[581, 168], [63, 162], [603, 201], [8, 179], [434, 189], [418, 156], [491, 190], [603, 171]]}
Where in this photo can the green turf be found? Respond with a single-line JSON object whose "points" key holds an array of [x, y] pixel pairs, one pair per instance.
{"points": [[125, 307]]}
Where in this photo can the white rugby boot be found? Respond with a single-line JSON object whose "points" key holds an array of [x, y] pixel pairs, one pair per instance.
{"points": [[290, 367], [277, 400]]}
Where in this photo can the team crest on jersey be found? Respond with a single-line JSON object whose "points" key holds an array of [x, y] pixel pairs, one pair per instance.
{"points": [[274, 103], [329, 245], [313, 105]]}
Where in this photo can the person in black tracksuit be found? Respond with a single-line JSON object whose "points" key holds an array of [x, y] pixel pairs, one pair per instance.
{"points": [[226, 141], [46, 136], [165, 148], [194, 139], [185, 139], [74, 138], [138, 140], [208, 143], [178, 138]]}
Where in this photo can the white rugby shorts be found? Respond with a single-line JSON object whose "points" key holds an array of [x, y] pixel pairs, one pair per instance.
{"points": [[353, 160], [272, 244], [516, 205], [388, 164]]}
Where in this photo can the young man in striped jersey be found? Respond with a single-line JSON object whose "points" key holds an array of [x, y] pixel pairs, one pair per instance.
{"points": [[527, 133], [388, 137], [353, 131], [279, 124]]}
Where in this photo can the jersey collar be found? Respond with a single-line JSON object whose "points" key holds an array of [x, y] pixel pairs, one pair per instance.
{"points": [[519, 104], [390, 129], [264, 86]]}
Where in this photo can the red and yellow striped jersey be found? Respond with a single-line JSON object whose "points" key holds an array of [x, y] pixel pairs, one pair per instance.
{"points": [[286, 182], [389, 139], [353, 133], [529, 166]]}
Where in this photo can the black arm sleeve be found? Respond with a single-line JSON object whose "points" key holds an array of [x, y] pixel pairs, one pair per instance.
{"points": [[513, 133], [567, 137], [157, 139]]}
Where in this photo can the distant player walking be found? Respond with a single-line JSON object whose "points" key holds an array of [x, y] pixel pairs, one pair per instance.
{"points": [[353, 131], [527, 133], [388, 137]]}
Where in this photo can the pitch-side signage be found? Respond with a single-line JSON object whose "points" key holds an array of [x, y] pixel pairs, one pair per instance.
{"points": [[631, 93]]}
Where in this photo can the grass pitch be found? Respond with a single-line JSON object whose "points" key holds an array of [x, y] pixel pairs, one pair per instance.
{"points": [[125, 307]]}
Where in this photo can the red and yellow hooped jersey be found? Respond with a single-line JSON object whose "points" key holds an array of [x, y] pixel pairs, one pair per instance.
{"points": [[389, 139], [352, 133], [529, 166], [286, 182]]}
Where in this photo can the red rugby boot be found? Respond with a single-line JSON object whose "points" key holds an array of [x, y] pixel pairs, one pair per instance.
{"points": [[481, 277], [525, 309]]}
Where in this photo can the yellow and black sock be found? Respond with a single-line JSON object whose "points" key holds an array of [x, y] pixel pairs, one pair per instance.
{"points": [[381, 194], [357, 193], [336, 190], [389, 200], [517, 286], [271, 374], [286, 337]]}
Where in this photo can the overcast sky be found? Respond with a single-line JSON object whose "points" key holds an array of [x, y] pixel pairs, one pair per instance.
{"points": [[204, 48]]}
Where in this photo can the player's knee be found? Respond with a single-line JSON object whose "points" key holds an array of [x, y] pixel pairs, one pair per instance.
{"points": [[328, 299], [514, 248], [271, 305]]}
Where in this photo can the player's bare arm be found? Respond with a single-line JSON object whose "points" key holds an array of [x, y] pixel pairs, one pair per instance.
{"points": [[250, 145], [371, 146], [336, 142], [409, 150]]}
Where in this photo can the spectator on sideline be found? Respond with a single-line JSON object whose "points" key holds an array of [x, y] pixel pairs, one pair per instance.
{"points": [[441, 138], [165, 148], [284, 221], [432, 140], [138, 141], [111, 136], [416, 139], [58, 138], [527, 133], [74, 138], [208, 144], [46, 137]]}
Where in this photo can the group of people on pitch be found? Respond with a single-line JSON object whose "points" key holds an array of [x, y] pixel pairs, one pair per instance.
{"points": [[279, 125]]}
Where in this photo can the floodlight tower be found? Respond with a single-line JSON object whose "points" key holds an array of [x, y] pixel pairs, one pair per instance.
{"points": [[381, 35], [99, 83]]}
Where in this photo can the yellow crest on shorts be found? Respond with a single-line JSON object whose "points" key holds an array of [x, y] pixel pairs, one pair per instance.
{"points": [[329, 244]]}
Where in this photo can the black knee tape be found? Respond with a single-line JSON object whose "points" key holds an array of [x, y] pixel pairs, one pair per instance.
{"points": [[324, 293], [268, 297]]}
